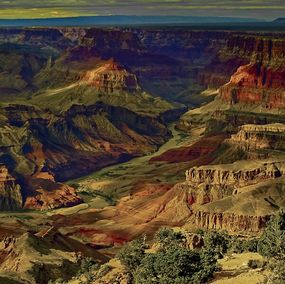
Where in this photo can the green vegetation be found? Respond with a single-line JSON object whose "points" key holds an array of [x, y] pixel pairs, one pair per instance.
{"points": [[167, 238], [216, 242], [132, 254], [272, 246], [108, 198], [172, 261], [89, 271], [87, 268], [238, 245]]}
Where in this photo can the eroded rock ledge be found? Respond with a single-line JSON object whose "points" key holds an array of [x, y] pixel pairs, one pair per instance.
{"points": [[209, 183], [230, 221], [237, 197], [252, 137]]}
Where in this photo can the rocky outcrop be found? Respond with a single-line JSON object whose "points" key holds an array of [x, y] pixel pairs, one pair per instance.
{"points": [[46, 193], [35, 259], [246, 211], [253, 137], [209, 183], [10, 191], [201, 152], [239, 197], [256, 84], [111, 77], [230, 221]]}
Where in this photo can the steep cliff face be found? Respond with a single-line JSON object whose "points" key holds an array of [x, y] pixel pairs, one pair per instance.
{"points": [[261, 80], [256, 84], [253, 137], [210, 183], [247, 211], [231, 222], [10, 191]]}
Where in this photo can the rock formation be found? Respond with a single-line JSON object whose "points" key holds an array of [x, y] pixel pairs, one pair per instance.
{"points": [[231, 222], [111, 77], [47, 194], [252, 137], [10, 191], [256, 83], [209, 183]]}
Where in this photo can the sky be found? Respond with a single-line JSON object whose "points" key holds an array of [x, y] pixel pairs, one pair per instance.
{"points": [[263, 9]]}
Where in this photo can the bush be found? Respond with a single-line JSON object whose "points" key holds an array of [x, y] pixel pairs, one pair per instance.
{"points": [[167, 237], [272, 241], [240, 245], [172, 263], [88, 267], [132, 254], [216, 242], [250, 245], [175, 265], [278, 273], [272, 246]]}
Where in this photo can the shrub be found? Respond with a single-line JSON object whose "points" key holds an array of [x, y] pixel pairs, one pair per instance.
{"points": [[278, 273], [272, 245], [167, 237], [250, 245], [132, 254], [174, 265], [216, 242], [240, 245], [272, 241], [88, 267]]}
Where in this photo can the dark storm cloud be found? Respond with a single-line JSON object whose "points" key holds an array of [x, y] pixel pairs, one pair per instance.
{"points": [[241, 8]]}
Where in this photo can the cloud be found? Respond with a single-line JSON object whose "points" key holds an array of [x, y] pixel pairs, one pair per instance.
{"points": [[60, 8]]}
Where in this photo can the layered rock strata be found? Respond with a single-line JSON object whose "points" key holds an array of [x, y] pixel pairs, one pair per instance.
{"points": [[10, 191], [111, 77], [239, 198], [253, 137], [210, 183], [256, 83]]}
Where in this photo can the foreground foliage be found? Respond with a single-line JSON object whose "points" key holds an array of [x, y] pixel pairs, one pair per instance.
{"points": [[272, 246], [171, 262]]}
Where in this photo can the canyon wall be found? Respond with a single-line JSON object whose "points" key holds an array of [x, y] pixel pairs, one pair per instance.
{"points": [[238, 197], [253, 137], [214, 182], [10, 191]]}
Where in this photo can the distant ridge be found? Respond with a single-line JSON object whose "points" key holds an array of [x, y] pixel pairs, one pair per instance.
{"points": [[122, 20]]}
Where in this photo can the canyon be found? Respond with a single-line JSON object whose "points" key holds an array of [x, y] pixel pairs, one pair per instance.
{"points": [[110, 133]]}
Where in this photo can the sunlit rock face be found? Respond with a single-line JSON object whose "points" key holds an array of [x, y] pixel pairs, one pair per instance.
{"points": [[46, 193], [261, 81], [256, 84], [10, 191], [237, 197], [253, 137], [214, 182], [111, 77], [230, 222]]}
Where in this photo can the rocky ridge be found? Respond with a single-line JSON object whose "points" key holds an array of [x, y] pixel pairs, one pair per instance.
{"points": [[210, 183], [253, 137], [223, 197], [10, 191]]}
